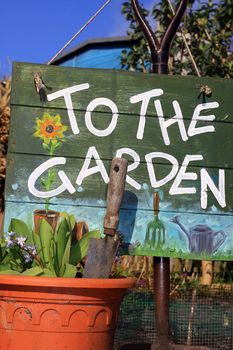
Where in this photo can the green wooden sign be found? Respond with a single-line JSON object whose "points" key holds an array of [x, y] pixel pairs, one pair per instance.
{"points": [[178, 142]]}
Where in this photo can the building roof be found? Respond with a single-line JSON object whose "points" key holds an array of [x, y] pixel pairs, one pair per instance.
{"points": [[110, 42]]}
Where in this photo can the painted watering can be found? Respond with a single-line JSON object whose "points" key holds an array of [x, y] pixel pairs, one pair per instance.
{"points": [[202, 238]]}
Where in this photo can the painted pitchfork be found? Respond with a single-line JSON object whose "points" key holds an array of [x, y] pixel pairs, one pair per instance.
{"points": [[155, 231], [159, 58]]}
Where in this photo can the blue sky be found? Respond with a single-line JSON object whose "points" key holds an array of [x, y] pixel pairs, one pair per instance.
{"points": [[33, 31]]}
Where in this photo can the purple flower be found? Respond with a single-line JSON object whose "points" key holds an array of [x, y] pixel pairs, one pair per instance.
{"points": [[11, 234], [27, 257], [9, 242], [10, 239], [21, 241], [31, 249]]}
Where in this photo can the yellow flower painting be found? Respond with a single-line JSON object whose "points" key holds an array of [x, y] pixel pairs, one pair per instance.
{"points": [[51, 131], [50, 128]]}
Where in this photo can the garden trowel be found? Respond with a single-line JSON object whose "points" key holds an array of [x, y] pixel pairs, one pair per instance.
{"points": [[102, 252]]}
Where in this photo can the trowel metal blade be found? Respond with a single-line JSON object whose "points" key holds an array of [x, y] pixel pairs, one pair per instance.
{"points": [[100, 257]]}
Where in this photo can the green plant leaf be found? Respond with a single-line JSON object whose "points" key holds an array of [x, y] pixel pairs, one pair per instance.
{"points": [[5, 267], [61, 241], [66, 256], [70, 271], [34, 271], [43, 181], [37, 242], [45, 146], [9, 272], [70, 220], [4, 255], [48, 273], [21, 229], [46, 238], [52, 176], [79, 249], [52, 257]]}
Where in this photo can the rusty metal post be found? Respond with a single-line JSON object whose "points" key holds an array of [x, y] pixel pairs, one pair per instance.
{"points": [[160, 49], [161, 297], [159, 58]]}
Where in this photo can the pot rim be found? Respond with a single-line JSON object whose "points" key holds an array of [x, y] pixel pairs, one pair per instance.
{"points": [[97, 283], [44, 212]]}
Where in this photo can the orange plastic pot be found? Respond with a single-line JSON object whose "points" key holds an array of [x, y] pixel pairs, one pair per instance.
{"points": [[59, 313]]}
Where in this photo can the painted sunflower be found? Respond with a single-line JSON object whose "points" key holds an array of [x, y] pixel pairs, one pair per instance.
{"points": [[50, 129]]}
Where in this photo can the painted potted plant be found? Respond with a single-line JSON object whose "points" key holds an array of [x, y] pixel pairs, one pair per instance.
{"points": [[42, 304], [50, 130]]}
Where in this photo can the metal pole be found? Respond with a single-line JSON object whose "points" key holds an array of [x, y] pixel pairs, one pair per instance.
{"points": [[161, 266], [159, 59], [161, 297]]}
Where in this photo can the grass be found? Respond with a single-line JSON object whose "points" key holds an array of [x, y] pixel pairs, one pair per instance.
{"points": [[173, 253]]}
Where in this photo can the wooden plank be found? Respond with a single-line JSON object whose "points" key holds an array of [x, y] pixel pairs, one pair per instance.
{"points": [[134, 224], [124, 135], [120, 87], [92, 190]]}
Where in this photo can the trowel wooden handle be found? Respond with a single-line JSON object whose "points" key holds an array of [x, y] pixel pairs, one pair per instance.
{"points": [[156, 203], [115, 193]]}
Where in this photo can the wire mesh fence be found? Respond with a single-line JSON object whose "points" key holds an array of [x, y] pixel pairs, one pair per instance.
{"points": [[202, 316]]}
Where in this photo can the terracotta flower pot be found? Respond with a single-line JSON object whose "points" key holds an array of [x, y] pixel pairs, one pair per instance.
{"points": [[59, 313], [50, 216]]}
